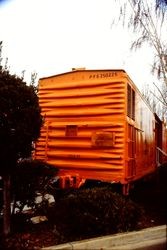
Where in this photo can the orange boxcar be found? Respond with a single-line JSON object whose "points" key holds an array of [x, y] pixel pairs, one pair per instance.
{"points": [[97, 126], [161, 141]]}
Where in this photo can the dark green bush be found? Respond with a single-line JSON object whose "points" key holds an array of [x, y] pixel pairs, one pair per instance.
{"points": [[93, 212], [20, 120], [31, 177]]}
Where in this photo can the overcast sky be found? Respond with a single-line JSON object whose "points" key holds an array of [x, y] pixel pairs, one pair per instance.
{"points": [[54, 36]]}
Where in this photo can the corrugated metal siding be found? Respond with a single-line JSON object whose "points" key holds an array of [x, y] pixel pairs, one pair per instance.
{"points": [[84, 124]]}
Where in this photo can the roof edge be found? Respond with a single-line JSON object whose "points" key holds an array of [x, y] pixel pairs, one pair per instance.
{"points": [[74, 70]]}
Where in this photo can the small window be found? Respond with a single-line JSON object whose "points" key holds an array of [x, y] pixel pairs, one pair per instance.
{"points": [[133, 104], [130, 102]]}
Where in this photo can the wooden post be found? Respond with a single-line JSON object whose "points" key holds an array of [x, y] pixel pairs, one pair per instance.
{"points": [[6, 204]]}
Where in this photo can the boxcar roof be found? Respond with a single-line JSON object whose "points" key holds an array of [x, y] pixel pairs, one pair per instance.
{"points": [[82, 70]]}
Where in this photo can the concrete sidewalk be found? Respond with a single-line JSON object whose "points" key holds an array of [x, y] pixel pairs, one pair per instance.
{"points": [[154, 238]]}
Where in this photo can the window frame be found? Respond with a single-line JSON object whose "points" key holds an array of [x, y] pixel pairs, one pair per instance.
{"points": [[131, 96]]}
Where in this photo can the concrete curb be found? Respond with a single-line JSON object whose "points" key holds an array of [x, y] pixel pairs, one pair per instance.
{"points": [[154, 238]]}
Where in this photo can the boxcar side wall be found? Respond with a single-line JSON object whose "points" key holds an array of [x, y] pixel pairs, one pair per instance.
{"points": [[164, 142], [84, 130], [140, 133], [160, 141]]}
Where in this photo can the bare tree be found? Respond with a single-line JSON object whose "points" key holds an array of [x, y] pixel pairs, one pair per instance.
{"points": [[33, 78], [148, 20], [151, 98], [161, 5]]}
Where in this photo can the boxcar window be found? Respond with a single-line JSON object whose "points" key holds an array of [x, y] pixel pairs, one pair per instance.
{"points": [[133, 104], [130, 102]]}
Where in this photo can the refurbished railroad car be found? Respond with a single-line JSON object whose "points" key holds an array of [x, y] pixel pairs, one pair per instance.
{"points": [[97, 126]]}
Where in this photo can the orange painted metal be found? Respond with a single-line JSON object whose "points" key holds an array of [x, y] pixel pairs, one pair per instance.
{"points": [[164, 141], [96, 126]]}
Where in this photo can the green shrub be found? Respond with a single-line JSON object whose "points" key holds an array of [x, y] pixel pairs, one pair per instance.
{"points": [[93, 212], [31, 177]]}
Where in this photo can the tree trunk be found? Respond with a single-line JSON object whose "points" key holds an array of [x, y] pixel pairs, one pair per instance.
{"points": [[7, 205]]}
